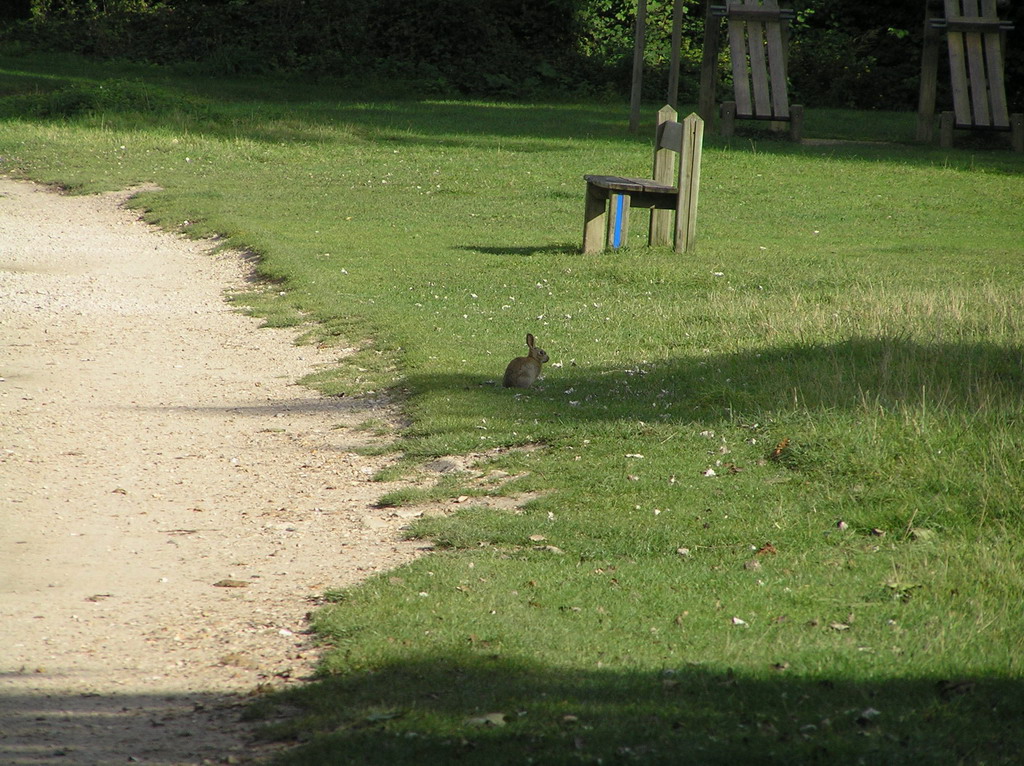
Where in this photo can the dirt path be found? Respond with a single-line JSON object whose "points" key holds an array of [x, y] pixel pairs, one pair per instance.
{"points": [[152, 445]]}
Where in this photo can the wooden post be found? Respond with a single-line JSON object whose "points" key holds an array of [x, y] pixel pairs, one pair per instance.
{"points": [[785, 36], [689, 184], [664, 173], [728, 117], [638, 66], [677, 36], [594, 221], [929, 79], [929, 74], [1017, 132], [796, 123], [709, 66], [947, 120]]}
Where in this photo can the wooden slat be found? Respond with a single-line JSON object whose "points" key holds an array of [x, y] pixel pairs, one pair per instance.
{"points": [[993, 40], [957, 68], [618, 183], [740, 78], [976, 69], [627, 184], [759, 68], [996, 81], [976, 78], [777, 70]]}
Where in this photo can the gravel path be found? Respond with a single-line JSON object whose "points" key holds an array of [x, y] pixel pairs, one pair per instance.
{"points": [[171, 503]]}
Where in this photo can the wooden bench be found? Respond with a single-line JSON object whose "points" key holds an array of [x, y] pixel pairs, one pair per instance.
{"points": [[976, 39], [670, 189], [758, 48]]}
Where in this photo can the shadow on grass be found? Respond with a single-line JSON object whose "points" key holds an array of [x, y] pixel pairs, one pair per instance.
{"points": [[528, 250], [862, 373], [277, 109], [493, 710]]}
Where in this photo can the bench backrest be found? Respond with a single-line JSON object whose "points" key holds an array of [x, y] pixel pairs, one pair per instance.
{"points": [[668, 144], [677, 157], [756, 38], [975, 37]]}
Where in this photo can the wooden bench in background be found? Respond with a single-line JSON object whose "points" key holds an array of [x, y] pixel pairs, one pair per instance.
{"points": [[674, 187], [758, 47], [976, 40]]}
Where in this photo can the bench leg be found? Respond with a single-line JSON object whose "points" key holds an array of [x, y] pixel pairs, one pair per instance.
{"points": [[728, 114], [1017, 132], [618, 220], [946, 130], [661, 228], [594, 220], [796, 122]]}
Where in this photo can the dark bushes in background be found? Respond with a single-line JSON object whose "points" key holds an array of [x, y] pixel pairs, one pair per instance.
{"points": [[461, 45], [863, 55]]}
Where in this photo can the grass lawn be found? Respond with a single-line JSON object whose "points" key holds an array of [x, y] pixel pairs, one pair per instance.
{"points": [[776, 486]]}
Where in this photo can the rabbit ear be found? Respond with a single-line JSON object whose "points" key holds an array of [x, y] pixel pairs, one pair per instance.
{"points": [[529, 340]]}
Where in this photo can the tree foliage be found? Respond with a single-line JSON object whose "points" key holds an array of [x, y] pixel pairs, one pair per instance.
{"points": [[864, 55]]}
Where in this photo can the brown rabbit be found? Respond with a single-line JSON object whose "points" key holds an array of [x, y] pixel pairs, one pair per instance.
{"points": [[523, 370]]}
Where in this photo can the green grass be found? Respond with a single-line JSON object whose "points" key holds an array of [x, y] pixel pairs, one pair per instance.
{"points": [[860, 300]]}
